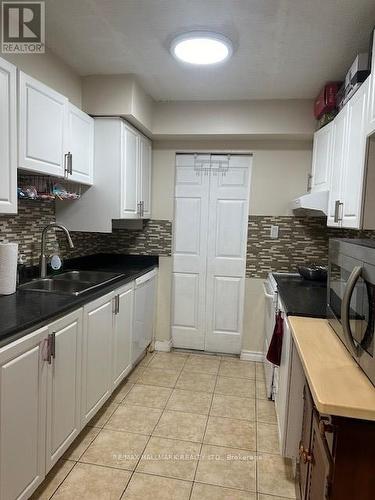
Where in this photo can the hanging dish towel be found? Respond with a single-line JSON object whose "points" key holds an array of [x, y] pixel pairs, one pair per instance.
{"points": [[274, 350]]}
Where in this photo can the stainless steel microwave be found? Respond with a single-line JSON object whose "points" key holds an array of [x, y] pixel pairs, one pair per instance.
{"points": [[351, 298]]}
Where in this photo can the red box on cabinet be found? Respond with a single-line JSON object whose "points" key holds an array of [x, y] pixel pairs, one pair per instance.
{"points": [[326, 100]]}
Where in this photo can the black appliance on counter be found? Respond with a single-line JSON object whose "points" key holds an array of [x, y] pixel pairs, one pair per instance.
{"points": [[351, 298]]}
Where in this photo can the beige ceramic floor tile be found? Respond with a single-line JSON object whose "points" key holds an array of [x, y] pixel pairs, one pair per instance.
{"points": [[147, 359], [103, 415], [90, 482], [275, 476], [121, 391], [196, 382], [81, 443], [261, 391], [266, 411], [227, 467], [116, 449], [235, 387], [230, 432], [233, 407], [148, 395], [168, 361], [53, 480], [190, 402], [170, 458], [259, 370], [208, 492], [269, 497], [178, 425], [202, 364], [158, 377], [237, 369], [135, 374], [268, 438], [144, 487], [134, 419]]}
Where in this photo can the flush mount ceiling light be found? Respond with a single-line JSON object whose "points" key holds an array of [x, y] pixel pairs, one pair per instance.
{"points": [[201, 47]]}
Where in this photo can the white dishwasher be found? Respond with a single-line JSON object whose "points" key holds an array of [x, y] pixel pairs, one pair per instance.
{"points": [[144, 313]]}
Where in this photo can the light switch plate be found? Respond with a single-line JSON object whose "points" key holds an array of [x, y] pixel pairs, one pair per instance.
{"points": [[274, 232]]}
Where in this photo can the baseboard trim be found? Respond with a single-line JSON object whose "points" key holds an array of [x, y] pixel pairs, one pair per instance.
{"points": [[252, 356], [163, 345]]}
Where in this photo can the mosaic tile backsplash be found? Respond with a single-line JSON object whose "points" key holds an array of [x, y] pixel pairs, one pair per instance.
{"points": [[301, 239], [26, 229]]}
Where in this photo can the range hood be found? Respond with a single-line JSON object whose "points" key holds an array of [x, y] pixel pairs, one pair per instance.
{"points": [[315, 203]]}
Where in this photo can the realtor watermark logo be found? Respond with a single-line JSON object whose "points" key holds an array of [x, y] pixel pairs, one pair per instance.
{"points": [[23, 27]]}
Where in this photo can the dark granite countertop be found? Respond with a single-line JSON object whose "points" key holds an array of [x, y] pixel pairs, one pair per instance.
{"points": [[25, 311], [302, 297]]}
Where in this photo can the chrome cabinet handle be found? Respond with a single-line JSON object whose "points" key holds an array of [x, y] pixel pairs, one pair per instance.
{"points": [[116, 304], [142, 208], [309, 181], [345, 308], [337, 207], [70, 163]]}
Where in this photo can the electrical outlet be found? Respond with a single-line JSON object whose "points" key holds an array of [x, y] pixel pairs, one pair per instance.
{"points": [[274, 232]]}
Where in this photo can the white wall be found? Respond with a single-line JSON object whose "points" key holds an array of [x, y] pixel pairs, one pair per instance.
{"points": [[279, 174], [51, 70], [274, 119], [118, 95]]}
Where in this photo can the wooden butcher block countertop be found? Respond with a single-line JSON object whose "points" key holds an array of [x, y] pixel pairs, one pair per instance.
{"points": [[339, 387]]}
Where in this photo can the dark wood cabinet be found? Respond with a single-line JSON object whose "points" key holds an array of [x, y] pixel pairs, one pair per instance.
{"points": [[337, 456]]}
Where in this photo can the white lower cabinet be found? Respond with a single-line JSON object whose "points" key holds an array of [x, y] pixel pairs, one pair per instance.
{"points": [[54, 380], [122, 333], [63, 386], [144, 311], [22, 416], [97, 353]]}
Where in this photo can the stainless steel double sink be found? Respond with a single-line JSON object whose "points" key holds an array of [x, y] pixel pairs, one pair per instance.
{"points": [[71, 282]]}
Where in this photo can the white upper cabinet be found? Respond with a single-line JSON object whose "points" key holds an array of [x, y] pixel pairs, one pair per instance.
{"points": [[80, 146], [8, 138], [321, 162], [130, 174], [353, 179], [145, 152], [370, 128], [338, 162], [42, 127], [122, 180], [348, 162]]}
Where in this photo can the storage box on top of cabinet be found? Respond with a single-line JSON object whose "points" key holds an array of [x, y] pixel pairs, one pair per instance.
{"points": [[55, 137], [122, 180]]}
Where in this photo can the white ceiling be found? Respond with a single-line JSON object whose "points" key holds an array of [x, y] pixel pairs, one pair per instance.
{"points": [[283, 48]]}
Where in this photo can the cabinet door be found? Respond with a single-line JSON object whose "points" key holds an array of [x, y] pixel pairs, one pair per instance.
{"points": [[80, 145], [339, 157], [144, 313], [145, 176], [96, 355], [129, 174], [8, 138], [321, 162], [320, 465], [282, 395], [63, 386], [353, 179], [42, 127], [304, 465], [22, 416], [371, 102], [122, 333]]}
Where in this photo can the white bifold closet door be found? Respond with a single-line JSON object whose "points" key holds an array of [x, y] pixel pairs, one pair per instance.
{"points": [[209, 251]]}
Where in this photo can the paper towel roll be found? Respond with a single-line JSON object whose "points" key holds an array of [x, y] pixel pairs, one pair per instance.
{"points": [[8, 268]]}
